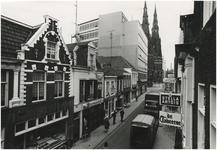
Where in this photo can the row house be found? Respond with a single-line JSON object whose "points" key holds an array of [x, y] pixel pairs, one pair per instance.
{"points": [[126, 79], [196, 60], [87, 81], [36, 104]]}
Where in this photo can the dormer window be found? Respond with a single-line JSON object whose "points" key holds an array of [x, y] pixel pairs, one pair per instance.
{"points": [[51, 49]]}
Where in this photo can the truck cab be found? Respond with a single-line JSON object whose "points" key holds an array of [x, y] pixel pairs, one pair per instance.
{"points": [[151, 104]]}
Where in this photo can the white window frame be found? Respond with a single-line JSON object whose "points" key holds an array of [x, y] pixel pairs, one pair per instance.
{"points": [[83, 90], [51, 50], [58, 81], [46, 122], [201, 116], [6, 83], [38, 90], [213, 117]]}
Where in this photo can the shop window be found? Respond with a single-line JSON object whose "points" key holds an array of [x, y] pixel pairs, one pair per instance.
{"points": [[38, 91], [42, 120], [2, 137], [31, 123], [4, 87], [58, 88], [20, 127], [50, 117], [57, 115]]}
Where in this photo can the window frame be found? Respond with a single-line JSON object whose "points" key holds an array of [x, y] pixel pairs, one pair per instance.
{"points": [[51, 50], [58, 81], [38, 86], [6, 83]]}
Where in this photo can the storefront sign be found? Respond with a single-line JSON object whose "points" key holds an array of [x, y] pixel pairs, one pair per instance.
{"points": [[93, 103], [170, 99], [171, 119]]}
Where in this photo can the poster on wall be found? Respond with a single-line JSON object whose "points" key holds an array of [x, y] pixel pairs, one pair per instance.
{"points": [[171, 119]]}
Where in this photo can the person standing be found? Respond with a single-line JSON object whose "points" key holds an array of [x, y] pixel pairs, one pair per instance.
{"points": [[114, 116], [106, 125], [122, 114], [105, 146]]}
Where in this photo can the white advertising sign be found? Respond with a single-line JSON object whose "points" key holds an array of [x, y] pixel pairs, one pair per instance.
{"points": [[171, 119]]}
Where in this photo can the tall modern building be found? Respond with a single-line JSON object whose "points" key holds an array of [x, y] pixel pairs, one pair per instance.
{"points": [[155, 71], [116, 36]]}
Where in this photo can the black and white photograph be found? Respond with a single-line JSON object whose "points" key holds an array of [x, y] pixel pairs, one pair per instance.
{"points": [[110, 74]]}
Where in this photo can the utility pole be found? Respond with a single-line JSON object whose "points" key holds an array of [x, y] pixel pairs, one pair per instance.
{"points": [[76, 30], [111, 36]]}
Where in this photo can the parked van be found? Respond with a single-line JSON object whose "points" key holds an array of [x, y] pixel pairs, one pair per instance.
{"points": [[143, 131], [151, 104]]}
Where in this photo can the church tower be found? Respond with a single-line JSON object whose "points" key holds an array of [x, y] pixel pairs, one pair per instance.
{"points": [[155, 72], [156, 53], [145, 23]]}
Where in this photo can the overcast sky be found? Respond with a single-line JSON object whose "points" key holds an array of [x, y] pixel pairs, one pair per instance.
{"points": [[168, 14]]}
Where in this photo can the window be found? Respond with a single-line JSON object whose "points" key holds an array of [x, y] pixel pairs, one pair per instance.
{"points": [[51, 49], [4, 87], [31, 123], [2, 137], [91, 89], [38, 92], [82, 91], [58, 89], [212, 117], [91, 60], [107, 88]]}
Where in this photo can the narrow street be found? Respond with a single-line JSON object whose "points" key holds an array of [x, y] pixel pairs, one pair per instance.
{"points": [[119, 139]]}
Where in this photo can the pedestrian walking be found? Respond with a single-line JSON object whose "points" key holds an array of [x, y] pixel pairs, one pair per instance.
{"points": [[122, 114], [105, 146], [114, 116], [106, 123]]}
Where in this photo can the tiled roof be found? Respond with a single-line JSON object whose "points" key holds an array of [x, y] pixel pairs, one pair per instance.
{"points": [[117, 65], [13, 34], [116, 61]]}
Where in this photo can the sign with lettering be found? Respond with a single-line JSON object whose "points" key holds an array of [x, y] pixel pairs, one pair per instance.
{"points": [[171, 119], [170, 99]]}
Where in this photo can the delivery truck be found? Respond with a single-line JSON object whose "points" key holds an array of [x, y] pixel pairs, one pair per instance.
{"points": [[143, 131]]}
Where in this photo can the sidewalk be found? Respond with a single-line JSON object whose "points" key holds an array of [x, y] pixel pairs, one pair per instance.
{"points": [[99, 135]]}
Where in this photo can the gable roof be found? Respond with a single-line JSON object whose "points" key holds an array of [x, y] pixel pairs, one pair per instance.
{"points": [[13, 34], [81, 53], [118, 63]]}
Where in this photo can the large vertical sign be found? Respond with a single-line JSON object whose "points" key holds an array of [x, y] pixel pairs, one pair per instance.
{"points": [[171, 119]]}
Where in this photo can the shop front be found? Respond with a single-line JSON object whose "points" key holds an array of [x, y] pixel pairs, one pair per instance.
{"points": [[93, 114], [120, 101], [47, 125], [109, 106]]}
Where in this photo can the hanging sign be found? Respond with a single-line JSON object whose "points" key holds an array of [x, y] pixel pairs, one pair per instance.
{"points": [[170, 99], [171, 119]]}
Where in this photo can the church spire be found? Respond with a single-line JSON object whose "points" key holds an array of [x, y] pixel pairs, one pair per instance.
{"points": [[145, 23], [155, 27]]}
